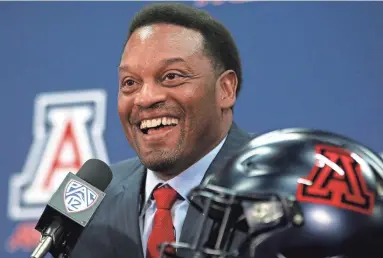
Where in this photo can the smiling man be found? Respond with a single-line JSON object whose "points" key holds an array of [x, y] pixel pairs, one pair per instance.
{"points": [[179, 78], [173, 103]]}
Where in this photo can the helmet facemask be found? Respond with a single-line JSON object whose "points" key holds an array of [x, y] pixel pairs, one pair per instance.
{"points": [[254, 215]]}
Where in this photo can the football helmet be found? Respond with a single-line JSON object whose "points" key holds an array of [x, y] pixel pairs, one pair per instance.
{"points": [[295, 193]]}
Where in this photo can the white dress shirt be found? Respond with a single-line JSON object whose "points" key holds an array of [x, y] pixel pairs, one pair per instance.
{"points": [[182, 183]]}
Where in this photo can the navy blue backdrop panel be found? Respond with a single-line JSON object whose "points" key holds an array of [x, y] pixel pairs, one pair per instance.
{"points": [[313, 64]]}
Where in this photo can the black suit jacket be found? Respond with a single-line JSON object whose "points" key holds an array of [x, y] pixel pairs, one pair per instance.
{"points": [[114, 231]]}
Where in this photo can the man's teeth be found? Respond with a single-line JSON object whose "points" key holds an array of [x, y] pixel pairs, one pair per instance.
{"points": [[150, 123]]}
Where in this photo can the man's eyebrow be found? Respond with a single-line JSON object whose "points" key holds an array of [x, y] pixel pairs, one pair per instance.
{"points": [[164, 62], [173, 60]]}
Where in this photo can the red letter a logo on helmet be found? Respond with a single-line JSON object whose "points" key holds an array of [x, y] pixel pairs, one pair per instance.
{"points": [[337, 180]]}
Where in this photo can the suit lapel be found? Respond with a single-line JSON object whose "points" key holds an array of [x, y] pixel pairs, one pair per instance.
{"points": [[235, 140], [134, 186]]}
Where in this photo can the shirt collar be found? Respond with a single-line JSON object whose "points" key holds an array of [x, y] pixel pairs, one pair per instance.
{"points": [[185, 181]]}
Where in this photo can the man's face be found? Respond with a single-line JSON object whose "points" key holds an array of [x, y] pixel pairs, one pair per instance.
{"points": [[167, 98]]}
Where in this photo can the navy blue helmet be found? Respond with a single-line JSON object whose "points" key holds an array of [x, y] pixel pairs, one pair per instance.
{"points": [[294, 193]]}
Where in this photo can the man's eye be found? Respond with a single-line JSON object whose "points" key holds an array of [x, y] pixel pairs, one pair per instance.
{"points": [[128, 83], [172, 76]]}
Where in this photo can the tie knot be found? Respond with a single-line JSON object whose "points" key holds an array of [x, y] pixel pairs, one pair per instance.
{"points": [[165, 197]]}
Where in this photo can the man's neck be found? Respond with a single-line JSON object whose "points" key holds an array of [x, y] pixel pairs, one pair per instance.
{"points": [[226, 123], [177, 170], [188, 178]]}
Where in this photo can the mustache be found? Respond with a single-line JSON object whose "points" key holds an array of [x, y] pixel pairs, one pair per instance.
{"points": [[138, 112]]}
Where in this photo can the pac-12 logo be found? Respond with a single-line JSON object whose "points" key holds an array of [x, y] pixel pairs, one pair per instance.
{"points": [[67, 131], [78, 197]]}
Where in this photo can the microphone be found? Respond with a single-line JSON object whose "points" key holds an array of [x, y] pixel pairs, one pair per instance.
{"points": [[71, 208]]}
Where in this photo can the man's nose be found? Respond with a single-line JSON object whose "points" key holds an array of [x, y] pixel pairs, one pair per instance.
{"points": [[149, 95]]}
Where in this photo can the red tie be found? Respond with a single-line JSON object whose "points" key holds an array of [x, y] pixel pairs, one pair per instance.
{"points": [[162, 230]]}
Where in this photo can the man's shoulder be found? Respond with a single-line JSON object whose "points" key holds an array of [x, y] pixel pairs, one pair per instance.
{"points": [[123, 171], [241, 133], [108, 233], [120, 168]]}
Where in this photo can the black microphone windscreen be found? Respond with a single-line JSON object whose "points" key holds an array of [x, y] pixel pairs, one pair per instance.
{"points": [[96, 173]]}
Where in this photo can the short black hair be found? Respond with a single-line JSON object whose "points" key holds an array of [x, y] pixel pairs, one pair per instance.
{"points": [[218, 42]]}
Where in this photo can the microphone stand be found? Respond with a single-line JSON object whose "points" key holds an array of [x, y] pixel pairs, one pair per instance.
{"points": [[50, 237]]}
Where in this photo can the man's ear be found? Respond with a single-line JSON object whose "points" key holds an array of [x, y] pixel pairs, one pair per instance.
{"points": [[227, 84]]}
